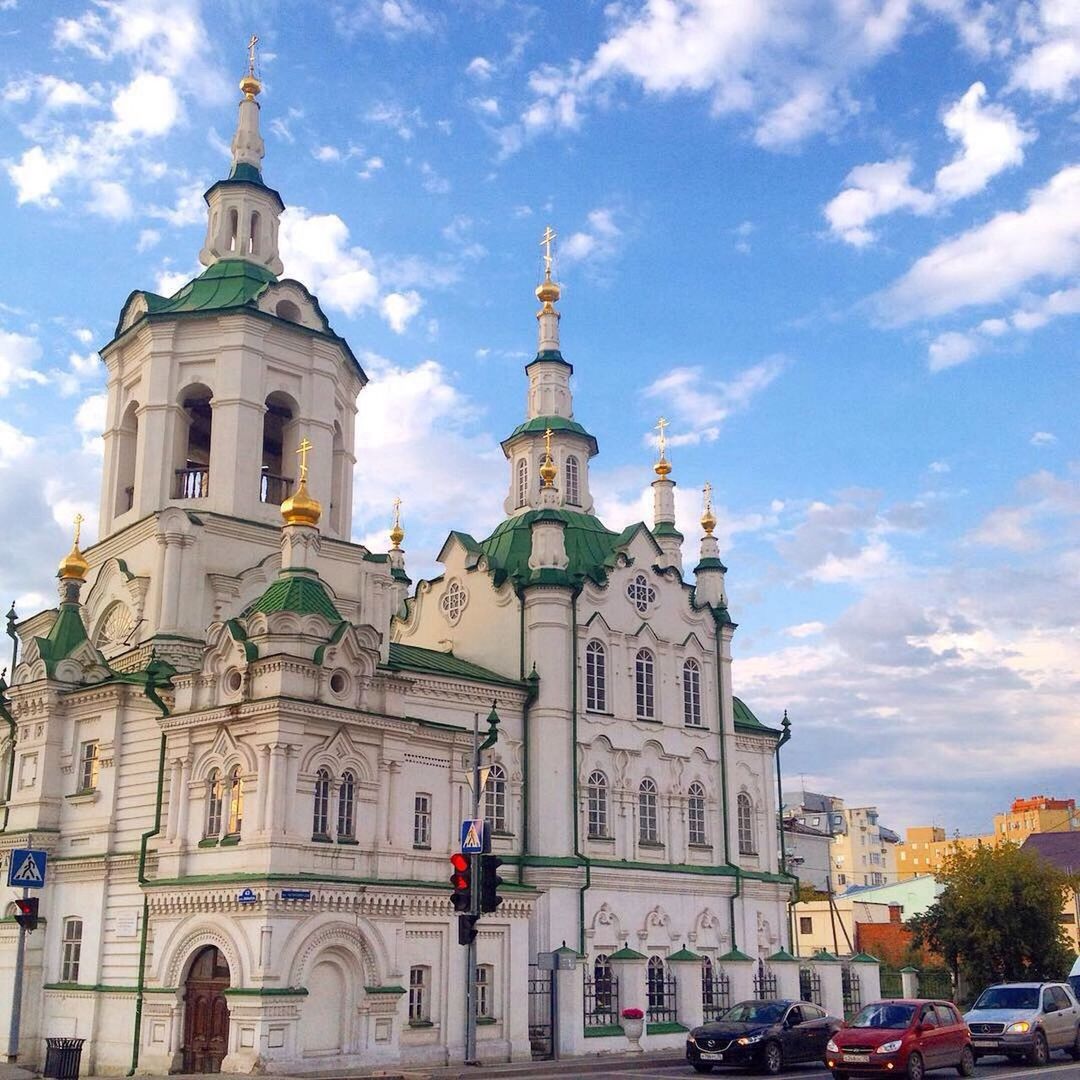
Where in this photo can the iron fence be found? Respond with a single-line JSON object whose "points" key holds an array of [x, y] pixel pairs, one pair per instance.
{"points": [[764, 982], [892, 986], [936, 984], [852, 991], [660, 989], [601, 1002], [541, 1026], [715, 992], [810, 985]]}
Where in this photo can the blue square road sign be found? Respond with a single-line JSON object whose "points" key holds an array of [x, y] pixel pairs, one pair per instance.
{"points": [[27, 868]]}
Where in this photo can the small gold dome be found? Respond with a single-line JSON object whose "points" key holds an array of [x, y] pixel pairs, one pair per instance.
{"points": [[662, 468], [708, 521], [73, 566], [547, 292], [301, 508], [250, 86], [548, 472], [397, 534]]}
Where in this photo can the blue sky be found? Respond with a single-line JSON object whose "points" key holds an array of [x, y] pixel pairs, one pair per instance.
{"points": [[835, 242]]}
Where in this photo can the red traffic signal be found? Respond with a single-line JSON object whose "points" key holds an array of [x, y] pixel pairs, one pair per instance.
{"points": [[26, 912], [461, 881]]}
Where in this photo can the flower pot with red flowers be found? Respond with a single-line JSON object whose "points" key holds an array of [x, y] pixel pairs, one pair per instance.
{"points": [[633, 1026]]}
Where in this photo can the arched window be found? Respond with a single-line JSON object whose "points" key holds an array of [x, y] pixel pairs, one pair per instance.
{"points": [[522, 482], [691, 693], [192, 478], [320, 818], [213, 804], [648, 829], [253, 235], [236, 802], [746, 825], [71, 951], [645, 685], [337, 480], [234, 229], [695, 814], [602, 984], [597, 796], [278, 449], [595, 677], [495, 798], [346, 807], [126, 442], [573, 482], [654, 983]]}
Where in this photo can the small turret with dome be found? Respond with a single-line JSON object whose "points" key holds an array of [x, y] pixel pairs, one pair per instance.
{"points": [[667, 535], [710, 571]]}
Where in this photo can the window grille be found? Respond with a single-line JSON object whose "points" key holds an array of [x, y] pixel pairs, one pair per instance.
{"points": [[641, 593], [236, 802], [695, 814], [595, 677], [346, 816], [691, 673], [320, 818], [419, 1004], [660, 992], [495, 798], [746, 825], [573, 487], [597, 797], [214, 800], [648, 830], [88, 766], [645, 685]]}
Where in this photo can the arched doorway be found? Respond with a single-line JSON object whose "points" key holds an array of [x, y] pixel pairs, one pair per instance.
{"points": [[206, 1014]]}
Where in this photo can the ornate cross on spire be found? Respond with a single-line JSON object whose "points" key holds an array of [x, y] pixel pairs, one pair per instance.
{"points": [[251, 54], [662, 439], [79, 519], [707, 492], [397, 533], [302, 450], [547, 467], [547, 443], [546, 242]]}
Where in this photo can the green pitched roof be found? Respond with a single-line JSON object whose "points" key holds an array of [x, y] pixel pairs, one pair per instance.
{"points": [[243, 171], [745, 720], [626, 953], [684, 954], [301, 593], [539, 424], [590, 547], [432, 662], [783, 956], [65, 636], [734, 956], [228, 283]]}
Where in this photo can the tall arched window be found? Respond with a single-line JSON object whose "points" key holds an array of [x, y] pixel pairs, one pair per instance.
{"points": [[320, 816], [192, 478], [279, 448], [573, 482], [495, 798], [346, 812], [213, 804], [691, 693], [603, 984], [597, 795], [71, 949], [234, 229], [253, 235], [648, 828], [645, 685], [126, 442], [695, 814], [236, 802], [746, 825], [522, 482], [595, 677], [654, 983]]}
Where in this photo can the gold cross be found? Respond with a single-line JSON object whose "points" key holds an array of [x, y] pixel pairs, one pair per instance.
{"points": [[547, 443], [397, 513], [79, 519], [302, 450], [545, 243], [251, 53], [662, 441], [707, 489]]}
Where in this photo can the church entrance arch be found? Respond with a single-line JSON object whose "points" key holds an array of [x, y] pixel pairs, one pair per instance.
{"points": [[206, 1013]]}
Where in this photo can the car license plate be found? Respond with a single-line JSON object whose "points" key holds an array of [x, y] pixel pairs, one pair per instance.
{"points": [[988, 1044], [711, 1055], [857, 1058]]}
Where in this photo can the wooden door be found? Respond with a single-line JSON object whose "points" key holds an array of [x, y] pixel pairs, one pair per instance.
{"points": [[206, 1014]]}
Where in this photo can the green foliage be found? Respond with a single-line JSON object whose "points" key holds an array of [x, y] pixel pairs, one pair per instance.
{"points": [[998, 917], [808, 892]]}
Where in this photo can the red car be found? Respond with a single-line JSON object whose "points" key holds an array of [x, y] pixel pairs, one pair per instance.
{"points": [[903, 1037]]}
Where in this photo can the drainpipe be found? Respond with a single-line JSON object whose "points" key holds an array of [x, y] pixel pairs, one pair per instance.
{"points": [[785, 726], [11, 618], [724, 792], [151, 693], [581, 856]]}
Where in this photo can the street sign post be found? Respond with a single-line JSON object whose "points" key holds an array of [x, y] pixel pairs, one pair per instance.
{"points": [[473, 836], [26, 870]]}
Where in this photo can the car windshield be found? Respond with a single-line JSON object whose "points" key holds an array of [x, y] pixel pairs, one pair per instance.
{"points": [[1009, 997], [755, 1012], [884, 1016]]}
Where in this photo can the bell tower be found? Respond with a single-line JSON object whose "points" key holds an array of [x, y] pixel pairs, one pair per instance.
{"points": [[211, 390]]}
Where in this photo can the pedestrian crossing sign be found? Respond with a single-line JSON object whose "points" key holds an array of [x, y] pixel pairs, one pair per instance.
{"points": [[27, 868], [473, 836]]}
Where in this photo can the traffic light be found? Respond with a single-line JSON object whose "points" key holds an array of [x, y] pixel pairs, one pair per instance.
{"points": [[489, 883], [461, 880], [466, 929], [26, 912]]}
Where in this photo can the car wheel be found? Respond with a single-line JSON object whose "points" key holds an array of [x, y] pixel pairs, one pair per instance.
{"points": [[1039, 1054], [916, 1069], [772, 1058], [699, 1068], [967, 1062], [1075, 1048]]}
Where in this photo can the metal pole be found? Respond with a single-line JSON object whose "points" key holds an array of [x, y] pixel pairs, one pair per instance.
{"points": [[474, 875], [16, 1000], [555, 1014]]}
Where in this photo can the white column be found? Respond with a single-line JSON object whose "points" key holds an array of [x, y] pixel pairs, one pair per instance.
{"points": [[832, 986], [262, 784], [571, 1021], [868, 971], [739, 969], [183, 795], [689, 1003], [175, 771], [275, 804]]}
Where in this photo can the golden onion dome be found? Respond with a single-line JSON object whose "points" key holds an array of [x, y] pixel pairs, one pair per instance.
{"points": [[708, 521], [547, 292], [73, 566], [250, 86], [301, 508], [662, 468], [397, 534], [548, 471]]}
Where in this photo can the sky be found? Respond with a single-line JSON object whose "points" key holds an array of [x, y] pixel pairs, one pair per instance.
{"points": [[835, 242]]}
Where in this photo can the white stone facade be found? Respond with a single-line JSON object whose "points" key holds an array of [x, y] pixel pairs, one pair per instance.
{"points": [[258, 747]]}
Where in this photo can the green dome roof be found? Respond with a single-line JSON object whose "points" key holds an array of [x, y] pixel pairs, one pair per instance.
{"points": [[539, 424]]}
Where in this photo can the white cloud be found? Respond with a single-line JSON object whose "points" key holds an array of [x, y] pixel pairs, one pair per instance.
{"points": [[806, 629], [371, 166], [992, 261], [480, 68], [15, 445], [489, 106], [951, 348], [399, 308], [700, 405], [18, 356], [148, 106], [90, 423], [111, 200], [991, 140], [393, 18], [1043, 438], [326, 153], [37, 173], [600, 240], [433, 182], [394, 116], [52, 94], [1051, 65]]}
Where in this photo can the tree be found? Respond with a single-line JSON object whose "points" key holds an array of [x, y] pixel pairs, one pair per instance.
{"points": [[998, 916]]}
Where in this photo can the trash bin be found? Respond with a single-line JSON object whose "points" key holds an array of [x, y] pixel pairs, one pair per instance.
{"points": [[62, 1058]]}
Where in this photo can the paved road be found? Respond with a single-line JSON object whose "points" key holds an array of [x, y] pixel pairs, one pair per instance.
{"points": [[991, 1069]]}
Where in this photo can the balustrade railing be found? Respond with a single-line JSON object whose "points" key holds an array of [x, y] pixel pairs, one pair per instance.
{"points": [[192, 482], [274, 489]]}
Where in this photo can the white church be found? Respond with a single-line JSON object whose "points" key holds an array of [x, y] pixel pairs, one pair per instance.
{"points": [[244, 740]]}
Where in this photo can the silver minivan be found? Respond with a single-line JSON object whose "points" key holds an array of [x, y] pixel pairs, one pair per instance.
{"points": [[1025, 1020]]}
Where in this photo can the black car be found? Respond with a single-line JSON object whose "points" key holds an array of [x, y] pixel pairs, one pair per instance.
{"points": [[766, 1035]]}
